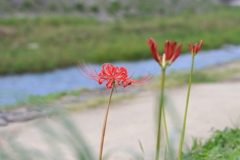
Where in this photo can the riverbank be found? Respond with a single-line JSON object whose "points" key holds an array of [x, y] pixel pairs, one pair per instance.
{"points": [[69, 39], [41, 106], [69, 81], [212, 105]]}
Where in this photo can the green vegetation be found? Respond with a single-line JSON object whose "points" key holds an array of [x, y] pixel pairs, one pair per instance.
{"points": [[114, 7], [97, 101], [212, 74], [41, 101], [27, 5], [221, 145], [45, 43], [140, 7], [80, 6], [94, 8], [51, 97]]}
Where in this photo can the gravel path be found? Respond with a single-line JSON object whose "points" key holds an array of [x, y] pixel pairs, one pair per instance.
{"points": [[212, 105]]}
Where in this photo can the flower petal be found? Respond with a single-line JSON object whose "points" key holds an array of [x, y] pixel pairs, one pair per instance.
{"points": [[176, 54], [190, 47], [153, 48]]}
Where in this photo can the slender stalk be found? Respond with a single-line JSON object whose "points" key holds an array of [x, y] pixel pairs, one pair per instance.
{"points": [[160, 115], [166, 132], [185, 114], [105, 123]]}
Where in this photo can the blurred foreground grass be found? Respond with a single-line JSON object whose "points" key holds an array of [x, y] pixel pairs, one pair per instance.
{"points": [[44, 43], [61, 139]]}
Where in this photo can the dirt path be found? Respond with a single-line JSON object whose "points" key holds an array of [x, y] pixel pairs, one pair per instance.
{"points": [[212, 105]]}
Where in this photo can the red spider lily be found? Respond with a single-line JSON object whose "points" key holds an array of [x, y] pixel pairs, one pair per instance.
{"points": [[169, 55], [153, 48], [195, 48], [111, 74]]}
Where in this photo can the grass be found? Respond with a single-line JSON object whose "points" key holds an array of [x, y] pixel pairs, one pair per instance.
{"points": [[44, 43], [97, 101], [52, 98], [42, 100], [124, 6], [211, 74], [221, 145]]}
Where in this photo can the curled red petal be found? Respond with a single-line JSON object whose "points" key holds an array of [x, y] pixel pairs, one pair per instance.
{"points": [[153, 48], [200, 45], [168, 50], [177, 53], [172, 46], [109, 84], [166, 47], [195, 47], [190, 47]]}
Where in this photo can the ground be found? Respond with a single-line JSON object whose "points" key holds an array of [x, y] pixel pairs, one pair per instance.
{"points": [[212, 106]]}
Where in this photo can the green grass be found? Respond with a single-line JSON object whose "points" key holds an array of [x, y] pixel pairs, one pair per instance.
{"points": [[222, 145], [45, 43], [97, 101], [207, 75], [54, 99], [124, 7], [52, 96], [42, 100]]}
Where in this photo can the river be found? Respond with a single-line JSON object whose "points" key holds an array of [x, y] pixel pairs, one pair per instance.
{"points": [[14, 88]]}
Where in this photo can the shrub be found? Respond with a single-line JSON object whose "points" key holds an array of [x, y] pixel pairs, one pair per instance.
{"points": [[80, 6], [94, 8], [27, 5], [53, 7], [114, 7]]}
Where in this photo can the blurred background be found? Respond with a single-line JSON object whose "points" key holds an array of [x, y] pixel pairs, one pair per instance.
{"points": [[41, 41]]}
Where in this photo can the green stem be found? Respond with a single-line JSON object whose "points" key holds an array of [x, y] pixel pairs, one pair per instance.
{"points": [[185, 114], [166, 132], [105, 123], [160, 115]]}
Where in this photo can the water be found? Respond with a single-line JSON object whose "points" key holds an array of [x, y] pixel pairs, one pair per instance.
{"points": [[14, 88]]}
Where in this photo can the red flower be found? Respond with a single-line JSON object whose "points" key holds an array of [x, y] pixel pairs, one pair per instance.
{"points": [[111, 74], [195, 48], [169, 55], [153, 48]]}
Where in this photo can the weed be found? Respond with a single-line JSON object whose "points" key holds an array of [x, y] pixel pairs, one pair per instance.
{"points": [[221, 145]]}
